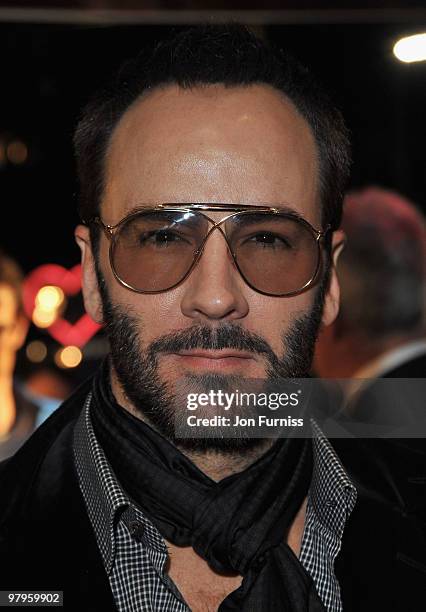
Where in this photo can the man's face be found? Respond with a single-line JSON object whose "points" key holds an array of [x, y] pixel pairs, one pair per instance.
{"points": [[212, 145]]}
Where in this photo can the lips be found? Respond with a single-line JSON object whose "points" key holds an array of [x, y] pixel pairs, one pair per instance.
{"points": [[217, 355], [213, 360]]}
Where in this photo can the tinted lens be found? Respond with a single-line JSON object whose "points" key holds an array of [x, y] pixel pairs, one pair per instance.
{"points": [[154, 251], [276, 254]]}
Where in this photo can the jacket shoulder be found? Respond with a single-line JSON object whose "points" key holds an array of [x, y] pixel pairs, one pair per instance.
{"points": [[45, 534], [19, 472]]}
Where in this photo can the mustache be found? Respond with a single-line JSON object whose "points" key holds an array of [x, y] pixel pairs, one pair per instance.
{"points": [[225, 336], [125, 329]]}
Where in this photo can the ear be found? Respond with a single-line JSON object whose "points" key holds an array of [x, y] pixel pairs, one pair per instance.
{"points": [[90, 288], [332, 298]]}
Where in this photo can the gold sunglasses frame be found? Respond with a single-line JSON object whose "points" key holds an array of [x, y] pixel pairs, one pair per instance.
{"points": [[111, 231]]}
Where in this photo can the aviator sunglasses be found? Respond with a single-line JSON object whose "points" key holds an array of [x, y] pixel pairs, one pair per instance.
{"points": [[277, 252]]}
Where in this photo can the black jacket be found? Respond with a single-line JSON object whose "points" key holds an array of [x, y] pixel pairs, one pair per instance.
{"points": [[46, 540]]}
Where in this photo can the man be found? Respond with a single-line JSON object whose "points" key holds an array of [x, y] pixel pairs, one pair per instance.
{"points": [[385, 337], [385, 258], [211, 177]]}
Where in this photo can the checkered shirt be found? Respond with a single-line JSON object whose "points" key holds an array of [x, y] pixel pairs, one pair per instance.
{"points": [[135, 554]]}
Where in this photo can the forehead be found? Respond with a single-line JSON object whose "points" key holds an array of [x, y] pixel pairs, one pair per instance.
{"points": [[246, 145]]}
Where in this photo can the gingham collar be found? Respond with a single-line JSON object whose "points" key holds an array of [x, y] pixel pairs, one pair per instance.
{"points": [[332, 494]]}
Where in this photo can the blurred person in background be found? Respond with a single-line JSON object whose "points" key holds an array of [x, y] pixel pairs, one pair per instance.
{"points": [[380, 329], [21, 410]]}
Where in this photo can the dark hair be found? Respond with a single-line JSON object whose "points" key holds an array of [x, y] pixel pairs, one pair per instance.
{"points": [[213, 54], [382, 270]]}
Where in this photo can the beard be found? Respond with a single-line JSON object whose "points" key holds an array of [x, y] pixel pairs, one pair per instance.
{"points": [[157, 403]]}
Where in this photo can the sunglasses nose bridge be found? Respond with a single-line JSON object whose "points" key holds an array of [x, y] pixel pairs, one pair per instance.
{"points": [[215, 226]]}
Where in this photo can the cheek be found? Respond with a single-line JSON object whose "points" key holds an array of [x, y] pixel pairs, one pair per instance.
{"points": [[158, 314], [270, 318]]}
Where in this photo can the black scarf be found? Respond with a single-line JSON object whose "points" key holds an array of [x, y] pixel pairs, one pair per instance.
{"points": [[239, 524]]}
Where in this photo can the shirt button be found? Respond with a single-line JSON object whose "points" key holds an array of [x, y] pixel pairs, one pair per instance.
{"points": [[136, 529]]}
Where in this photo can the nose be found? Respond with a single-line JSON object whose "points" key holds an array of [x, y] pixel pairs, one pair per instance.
{"points": [[215, 290]]}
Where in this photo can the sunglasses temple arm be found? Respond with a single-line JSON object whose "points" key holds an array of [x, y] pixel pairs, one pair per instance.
{"points": [[107, 229]]}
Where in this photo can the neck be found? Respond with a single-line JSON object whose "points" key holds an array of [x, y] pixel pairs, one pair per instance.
{"points": [[216, 465]]}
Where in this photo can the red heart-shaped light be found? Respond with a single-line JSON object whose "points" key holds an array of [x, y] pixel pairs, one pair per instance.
{"points": [[64, 332]]}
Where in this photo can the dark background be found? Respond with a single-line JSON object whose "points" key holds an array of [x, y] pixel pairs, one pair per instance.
{"points": [[49, 70]]}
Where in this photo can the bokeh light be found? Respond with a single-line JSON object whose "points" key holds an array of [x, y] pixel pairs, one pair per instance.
{"points": [[17, 152], [36, 351], [48, 302], [49, 297], [411, 48], [43, 318], [68, 357]]}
